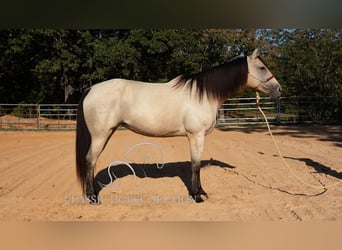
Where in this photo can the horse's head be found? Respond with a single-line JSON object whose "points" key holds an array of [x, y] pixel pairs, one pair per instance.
{"points": [[260, 78]]}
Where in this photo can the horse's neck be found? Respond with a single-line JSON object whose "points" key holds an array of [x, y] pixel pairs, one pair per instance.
{"points": [[223, 100]]}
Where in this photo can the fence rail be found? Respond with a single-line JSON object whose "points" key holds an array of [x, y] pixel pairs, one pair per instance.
{"points": [[235, 111], [38, 116], [243, 111]]}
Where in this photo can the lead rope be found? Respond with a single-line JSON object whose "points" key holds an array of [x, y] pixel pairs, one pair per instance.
{"points": [[280, 154]]}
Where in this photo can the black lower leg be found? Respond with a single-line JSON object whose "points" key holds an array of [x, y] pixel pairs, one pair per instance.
{"points": [[200, 189], [91, 193], [197, 190]]}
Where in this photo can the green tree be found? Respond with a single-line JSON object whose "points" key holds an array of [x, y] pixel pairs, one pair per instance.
{"points": [[147, 55], [46, 65], [16, 61], [37, 65], [65, 62], [307, 62]]}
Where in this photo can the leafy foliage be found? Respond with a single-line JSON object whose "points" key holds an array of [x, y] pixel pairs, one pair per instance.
{"points": [[53, 66]]}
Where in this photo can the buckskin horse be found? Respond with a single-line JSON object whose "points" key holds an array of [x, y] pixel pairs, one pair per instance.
{"points": [[185, 106]]}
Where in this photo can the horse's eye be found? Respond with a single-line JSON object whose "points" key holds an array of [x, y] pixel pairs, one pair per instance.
{"points": [[262, 68]]}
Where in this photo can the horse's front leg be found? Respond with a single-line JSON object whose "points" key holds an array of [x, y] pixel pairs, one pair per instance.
{"points": [[196, 149]]}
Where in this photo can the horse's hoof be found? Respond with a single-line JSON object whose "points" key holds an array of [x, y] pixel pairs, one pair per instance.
{"points": [[203, 193], [198, 198]]}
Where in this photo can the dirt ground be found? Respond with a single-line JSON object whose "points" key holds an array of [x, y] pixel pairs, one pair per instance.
{"points": [[242, 174]]}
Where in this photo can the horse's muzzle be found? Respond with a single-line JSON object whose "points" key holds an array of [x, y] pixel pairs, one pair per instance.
{"points": [[275, 92]]}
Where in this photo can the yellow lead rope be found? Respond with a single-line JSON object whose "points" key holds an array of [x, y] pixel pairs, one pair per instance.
{"points": [[281, 156]]}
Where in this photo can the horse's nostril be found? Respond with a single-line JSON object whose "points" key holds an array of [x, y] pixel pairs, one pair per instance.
{"points": [[279, 89]]}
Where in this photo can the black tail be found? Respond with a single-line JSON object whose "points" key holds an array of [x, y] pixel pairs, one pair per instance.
{"points": [[83, 141]]}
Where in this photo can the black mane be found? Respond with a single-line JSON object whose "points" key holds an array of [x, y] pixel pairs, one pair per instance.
{"points": [[218, 83]]}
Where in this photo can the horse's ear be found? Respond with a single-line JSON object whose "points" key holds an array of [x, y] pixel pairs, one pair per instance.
{"points": [[256, 53]]}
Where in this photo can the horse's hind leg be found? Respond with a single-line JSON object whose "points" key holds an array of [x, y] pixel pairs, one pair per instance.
{"points": [[98, 143]]}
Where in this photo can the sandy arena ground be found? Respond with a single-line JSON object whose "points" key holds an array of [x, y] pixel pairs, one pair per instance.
{"points": [[243, 176]]}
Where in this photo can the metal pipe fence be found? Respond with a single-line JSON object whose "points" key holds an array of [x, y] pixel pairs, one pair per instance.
{"points": [[308, 109], [235, 111], [285, 110], [243, 111], [38, 116]]}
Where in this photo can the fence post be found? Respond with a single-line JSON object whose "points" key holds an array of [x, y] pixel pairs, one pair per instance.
{"points": [[278, 111], [38, 116]]}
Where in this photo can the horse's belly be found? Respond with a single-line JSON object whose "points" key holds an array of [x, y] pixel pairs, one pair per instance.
{"points": [[155, 130]]}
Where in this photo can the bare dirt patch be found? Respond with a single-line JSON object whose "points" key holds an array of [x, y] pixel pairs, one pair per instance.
{"points": [[243, 176]]}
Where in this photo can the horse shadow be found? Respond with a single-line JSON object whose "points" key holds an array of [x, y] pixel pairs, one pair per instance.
{"points": [[181, 170], [318, 167]]}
